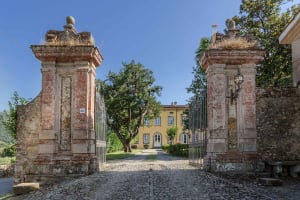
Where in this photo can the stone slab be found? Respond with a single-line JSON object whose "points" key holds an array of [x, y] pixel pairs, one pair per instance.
{"points": [[45, 179], [24, 188], [46, 148], [270, 181]]}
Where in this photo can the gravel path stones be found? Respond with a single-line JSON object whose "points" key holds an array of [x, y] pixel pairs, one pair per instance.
{"points": [[165, 178]]}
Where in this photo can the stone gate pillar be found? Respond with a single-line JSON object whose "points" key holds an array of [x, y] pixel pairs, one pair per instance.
{"points": [[56, 134], [231, 113]]}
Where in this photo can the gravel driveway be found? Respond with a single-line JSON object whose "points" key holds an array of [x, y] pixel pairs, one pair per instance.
{"points": [[166, 177]]}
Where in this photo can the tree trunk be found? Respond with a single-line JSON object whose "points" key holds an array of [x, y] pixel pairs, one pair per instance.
{"points": [[127, 146], [124, 143]]}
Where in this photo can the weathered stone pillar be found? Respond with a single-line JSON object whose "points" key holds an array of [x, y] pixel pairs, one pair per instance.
{"points": [[231, 105], [64, 132], [216, 97]]}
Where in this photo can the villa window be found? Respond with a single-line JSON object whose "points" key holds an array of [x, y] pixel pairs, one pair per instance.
{"points": [[146, 122], [146, 138], [170, 120], [183, 119], [196, 138], [157, 121]]}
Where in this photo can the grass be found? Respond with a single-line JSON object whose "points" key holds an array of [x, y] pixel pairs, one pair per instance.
{"points": [[235, 43], [151, 157], [121, 155], [6, 196], [7, 160], [118, 155]]}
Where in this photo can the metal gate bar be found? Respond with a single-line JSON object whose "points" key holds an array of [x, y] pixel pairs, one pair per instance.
{"points": [[100, 129], [197, 126]]}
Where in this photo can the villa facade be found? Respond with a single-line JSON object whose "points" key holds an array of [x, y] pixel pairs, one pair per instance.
{"points": [[153, 133]]}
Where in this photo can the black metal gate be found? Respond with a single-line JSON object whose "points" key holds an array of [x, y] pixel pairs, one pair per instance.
{"points": [[197, 126], [100, 129]]}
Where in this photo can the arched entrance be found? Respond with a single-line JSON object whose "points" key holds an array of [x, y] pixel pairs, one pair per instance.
{"points": [[157, 140], [184, 138]]}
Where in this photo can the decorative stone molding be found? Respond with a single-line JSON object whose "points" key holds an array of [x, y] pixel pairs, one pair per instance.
{"points": [[69, 36], [231, 57], [71, 53]]}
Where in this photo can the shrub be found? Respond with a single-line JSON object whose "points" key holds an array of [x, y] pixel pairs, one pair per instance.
{"points": [[178, 150], [9, 151], [165, 148], [235, 43], [7, 161], [134, 146], [113, 143]]}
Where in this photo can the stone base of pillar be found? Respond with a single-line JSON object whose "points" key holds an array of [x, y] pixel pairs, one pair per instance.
{"points": [[232, 161], [46, 170]]}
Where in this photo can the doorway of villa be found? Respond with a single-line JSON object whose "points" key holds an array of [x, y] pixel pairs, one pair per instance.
{"points": [[157, 140]]}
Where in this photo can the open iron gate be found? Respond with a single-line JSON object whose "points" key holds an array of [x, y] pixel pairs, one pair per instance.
{"points": [[198, 126], [100, 129]]}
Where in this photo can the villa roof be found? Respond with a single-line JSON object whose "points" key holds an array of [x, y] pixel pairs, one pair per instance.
{"points": [[175, 106]]}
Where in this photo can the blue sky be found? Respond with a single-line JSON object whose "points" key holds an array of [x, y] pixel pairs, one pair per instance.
{"points": [[161, 34]]}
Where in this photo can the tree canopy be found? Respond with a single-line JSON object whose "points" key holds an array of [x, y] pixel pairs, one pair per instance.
{"points": [[4, 135], [198, 84], [9, 117], [265, 21], [199, 80], [172, 132], [130, 97]]}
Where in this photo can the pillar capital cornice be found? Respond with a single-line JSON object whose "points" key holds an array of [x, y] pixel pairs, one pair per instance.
{"points": [[231, 57], [68, 53]]}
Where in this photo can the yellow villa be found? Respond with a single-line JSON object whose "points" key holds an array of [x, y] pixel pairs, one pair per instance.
{"points": [[153, 133]]}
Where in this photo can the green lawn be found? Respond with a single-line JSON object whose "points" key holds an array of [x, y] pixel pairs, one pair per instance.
{"points": [[121, 154], [7, 160], [6, 196], [151, 157], [118, 155]]}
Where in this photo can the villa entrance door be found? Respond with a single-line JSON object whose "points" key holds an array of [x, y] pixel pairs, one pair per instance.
{"points": [[157, 140]]}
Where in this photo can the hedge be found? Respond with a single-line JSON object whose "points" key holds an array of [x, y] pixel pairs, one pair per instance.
{"points": [[177, 149]]}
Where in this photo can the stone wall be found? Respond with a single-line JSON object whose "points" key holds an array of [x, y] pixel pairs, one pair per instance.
{"points": [[278, 124], [28, 129], [6, 170]]}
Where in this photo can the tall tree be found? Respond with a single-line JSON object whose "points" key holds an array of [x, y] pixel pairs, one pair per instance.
{"points": [[172, 132], [9, 117], [199, 80], [4, 135], [199, 84], [130, 97], [265, 21]]}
